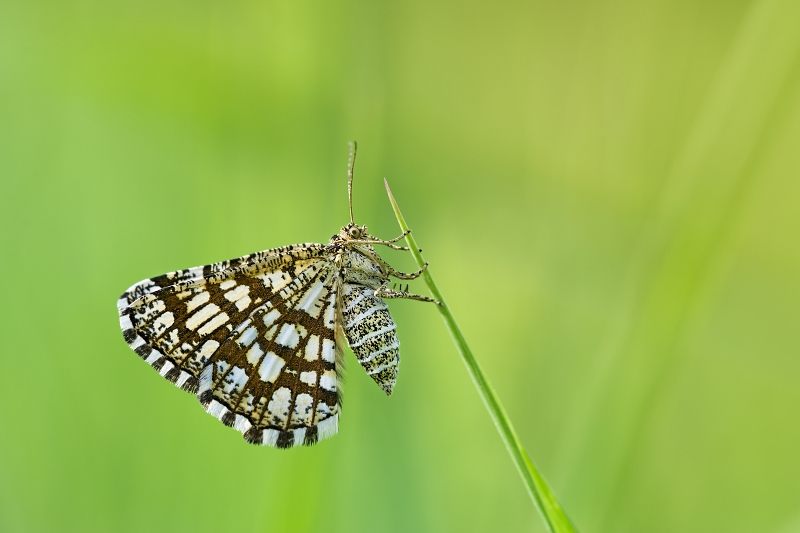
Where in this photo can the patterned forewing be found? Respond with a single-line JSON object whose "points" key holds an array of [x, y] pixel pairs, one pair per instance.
{"points": [[261, 261], [203, 329]]}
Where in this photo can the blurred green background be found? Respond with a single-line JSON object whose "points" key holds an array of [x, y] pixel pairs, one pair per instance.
{"points": [[607, 192]]}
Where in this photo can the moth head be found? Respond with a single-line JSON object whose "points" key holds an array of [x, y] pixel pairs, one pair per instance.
{"points": [[354, 231]]}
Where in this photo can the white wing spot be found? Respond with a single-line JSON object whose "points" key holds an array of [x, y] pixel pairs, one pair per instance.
{"points": [[330, 312], [290, 335], [271, 367], [197, 301], [240, 296], [247, 337], [312, 348], [201, 316], [276, 280], [239, 292], [164, 321], [303, 412], [278, 406], [213, 324], [309, 378], [311, 302], [323, 411], [328, 351], [222, 367], [271, 317], [254, 354], [205, 378], [227, 284], [328, 380], [236, 380], [243, 303], [208, 349]]}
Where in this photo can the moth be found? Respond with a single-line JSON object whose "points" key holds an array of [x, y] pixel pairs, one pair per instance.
{"points": [[260, 339]]}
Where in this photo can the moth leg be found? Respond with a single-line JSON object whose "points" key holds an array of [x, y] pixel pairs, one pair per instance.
{"points": [[393, 247], [388, 244], [409, 275], [390, 271], [402, 235], [384, 243], [385, 292]]}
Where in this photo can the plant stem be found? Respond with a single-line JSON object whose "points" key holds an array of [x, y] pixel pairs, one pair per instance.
{"points": [[543, 498]]}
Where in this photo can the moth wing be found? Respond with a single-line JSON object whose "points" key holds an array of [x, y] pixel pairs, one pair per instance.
{"points": [[241, 333]]}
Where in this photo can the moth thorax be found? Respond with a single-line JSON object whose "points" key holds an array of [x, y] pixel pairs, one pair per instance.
{"points": [[359, 268], [355, 260]]}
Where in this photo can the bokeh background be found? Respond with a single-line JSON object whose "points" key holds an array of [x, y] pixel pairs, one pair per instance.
{"points": [[607, 192]]}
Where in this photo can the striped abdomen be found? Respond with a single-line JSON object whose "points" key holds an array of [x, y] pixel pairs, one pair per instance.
{"points": [[371, 334]]}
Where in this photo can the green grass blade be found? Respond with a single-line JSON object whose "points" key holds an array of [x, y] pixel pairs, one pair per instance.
{"points": [[543, 498]]}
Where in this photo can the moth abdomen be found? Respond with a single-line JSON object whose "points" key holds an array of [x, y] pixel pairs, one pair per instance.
{"points": [[371, 333]]}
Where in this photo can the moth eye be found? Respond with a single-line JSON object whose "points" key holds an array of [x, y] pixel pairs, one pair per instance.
{"points": [[354, 232]]}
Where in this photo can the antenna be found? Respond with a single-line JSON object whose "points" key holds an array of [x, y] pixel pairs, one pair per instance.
{"points": [[350, 164]]}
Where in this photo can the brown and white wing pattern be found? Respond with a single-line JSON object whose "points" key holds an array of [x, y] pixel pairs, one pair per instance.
{"points": [[261, 260], [254, 337]]}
